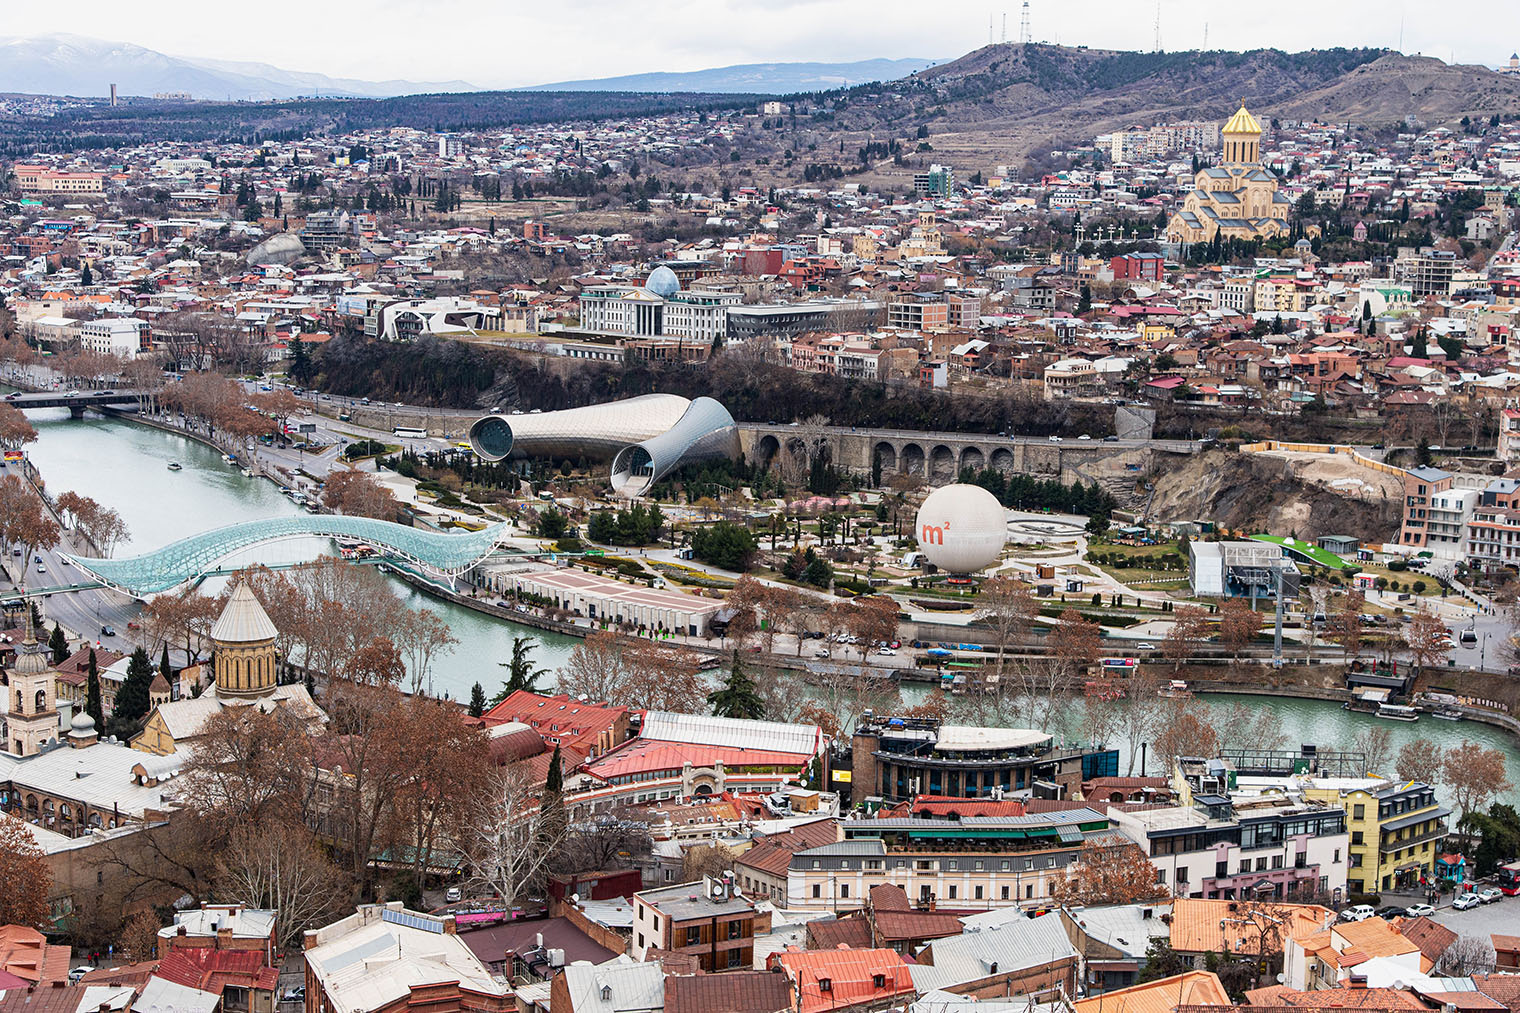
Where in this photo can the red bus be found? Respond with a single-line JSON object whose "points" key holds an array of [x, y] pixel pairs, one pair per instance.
{"points": [[1509, 879]]}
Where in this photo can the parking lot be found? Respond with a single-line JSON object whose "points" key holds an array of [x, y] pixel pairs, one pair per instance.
{"points": [[1502, 916]]}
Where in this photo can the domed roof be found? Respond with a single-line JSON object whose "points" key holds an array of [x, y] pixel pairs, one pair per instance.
{"points": [[663, 282], [1242, 122], [243, 621], [82, 725]]}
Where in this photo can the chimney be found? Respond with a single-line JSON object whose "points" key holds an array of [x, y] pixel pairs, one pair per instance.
{"points": [[308, 939], [450, 927]]}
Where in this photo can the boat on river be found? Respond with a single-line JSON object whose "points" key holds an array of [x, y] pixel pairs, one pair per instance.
{"points": [[1397, 712], [1177, 689], [1447, 714], [175, 466]]}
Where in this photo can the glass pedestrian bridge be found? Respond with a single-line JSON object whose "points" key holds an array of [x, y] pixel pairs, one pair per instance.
{"points": [[182, 562]]}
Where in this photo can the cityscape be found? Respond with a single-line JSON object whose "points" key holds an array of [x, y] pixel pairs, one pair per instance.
{"points": [[787, 527]]}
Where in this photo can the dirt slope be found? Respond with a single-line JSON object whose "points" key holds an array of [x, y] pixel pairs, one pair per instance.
{"points": [[1255, 493]]}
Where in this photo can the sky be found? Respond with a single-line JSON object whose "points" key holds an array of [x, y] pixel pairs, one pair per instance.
{"points": [[508, 43]]}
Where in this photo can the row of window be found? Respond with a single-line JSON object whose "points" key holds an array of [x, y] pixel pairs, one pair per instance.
{"points": [[947, 864]]}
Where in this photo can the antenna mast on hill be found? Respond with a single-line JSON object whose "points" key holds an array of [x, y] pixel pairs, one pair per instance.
{"points": [[1005, 26], [1205, 36], [990, 37], [1024, 24], [1158, 26]]}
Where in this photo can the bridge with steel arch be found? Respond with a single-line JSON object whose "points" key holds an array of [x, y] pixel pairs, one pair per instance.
{"points": [[182, 562]]}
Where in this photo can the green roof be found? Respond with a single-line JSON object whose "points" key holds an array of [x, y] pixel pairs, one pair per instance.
{"points": [[1306, 551]]}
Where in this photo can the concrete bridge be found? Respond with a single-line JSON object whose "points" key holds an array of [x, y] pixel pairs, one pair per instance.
{"points": [[939, 457], [75, 403]]}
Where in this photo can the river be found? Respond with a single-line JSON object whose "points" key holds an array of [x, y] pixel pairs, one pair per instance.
{"points": [[124, 465]]}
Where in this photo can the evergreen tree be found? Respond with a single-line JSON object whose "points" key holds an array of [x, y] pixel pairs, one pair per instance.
{"points": [[92, 701], [86, 277], [164, 668], [552, 803], [58, 644], [521, 674], [477, 700], [132, 700], [300, 361], [737, 697]]}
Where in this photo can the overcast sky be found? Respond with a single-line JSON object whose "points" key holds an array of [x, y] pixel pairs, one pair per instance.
{"points": [[505, 43]]}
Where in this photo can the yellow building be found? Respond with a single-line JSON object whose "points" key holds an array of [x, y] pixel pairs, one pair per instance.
{"points": [[246, 670], [1236, 199], [1396, 832]]}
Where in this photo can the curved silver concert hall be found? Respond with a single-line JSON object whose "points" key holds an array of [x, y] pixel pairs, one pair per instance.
{"points": [[645, 437]]}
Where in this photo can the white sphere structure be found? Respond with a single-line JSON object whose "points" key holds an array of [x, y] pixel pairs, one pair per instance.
{"points": [[962, 528]]}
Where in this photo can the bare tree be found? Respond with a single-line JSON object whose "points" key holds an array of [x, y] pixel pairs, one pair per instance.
{"points": [[506, 838], [274, 864], [1376, 743], [1420, 760], [1467, 956]]}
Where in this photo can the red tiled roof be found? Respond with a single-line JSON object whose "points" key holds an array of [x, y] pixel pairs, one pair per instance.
{"points": [[640, 756], [850, 977], [731, 992], [947, 805], [213, 970], [831, 933], [28, 955], [560, 718]]}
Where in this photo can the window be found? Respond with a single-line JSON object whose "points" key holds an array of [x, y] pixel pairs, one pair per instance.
{"points": [[817, 889], [978, 865], [1004, 865], [825, 984], [1161, 876], [953, 865], [1182, 875], [816, 865], [735, 958], [1029, 891], [952, 891], [1358, 812], [1337, 858], [1261, 863], [1050, 863], [1245, 865], [1356, 837], [693, 935], [735, 929], [844, 889], [978, 893], [641, 940], [878, 981], [1004, 895], [1028, 864]]}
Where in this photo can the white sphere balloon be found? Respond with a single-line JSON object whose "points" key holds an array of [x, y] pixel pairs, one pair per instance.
{"points": [[962, 528]]}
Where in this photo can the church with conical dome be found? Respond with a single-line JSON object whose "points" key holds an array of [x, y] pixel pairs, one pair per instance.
{"points": [[1236, 199], [245, 671]]}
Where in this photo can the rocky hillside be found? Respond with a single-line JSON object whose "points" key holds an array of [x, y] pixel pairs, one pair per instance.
{"points": [[1005, 102], [1257, 493]]}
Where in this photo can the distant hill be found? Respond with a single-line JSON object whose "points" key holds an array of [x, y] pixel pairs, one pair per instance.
{"points": [[74, 65], [753, 78], [1005, 102]]}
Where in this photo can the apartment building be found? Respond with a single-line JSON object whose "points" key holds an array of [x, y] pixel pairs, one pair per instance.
{"points": [[710, 920], [1223, 847], [119, 336], [1493, 529], [984, 861], [1420, 484], [919, 311], [1396, 830], [1427, 272], [1446, 522]]}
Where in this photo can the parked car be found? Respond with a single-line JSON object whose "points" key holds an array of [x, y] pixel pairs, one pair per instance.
{"points": [[453, 895], [1490, 894], [79, 972], [1465, 902], [1419, 911], [1357, 913], [1145, 647], [297, 994], [108, 631]]}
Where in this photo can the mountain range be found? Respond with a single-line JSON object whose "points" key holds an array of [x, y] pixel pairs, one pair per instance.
{"points": [[62, 64], [753, 78]]}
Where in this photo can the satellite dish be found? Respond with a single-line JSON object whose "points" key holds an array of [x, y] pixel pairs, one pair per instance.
{"points": [[1281, 977], [718, 890]]}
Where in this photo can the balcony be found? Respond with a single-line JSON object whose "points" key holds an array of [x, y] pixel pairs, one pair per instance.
{"points": [[1389, 844]]}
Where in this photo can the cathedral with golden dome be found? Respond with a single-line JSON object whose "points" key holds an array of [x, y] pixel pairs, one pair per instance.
{"points": [[1236, 199]]}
